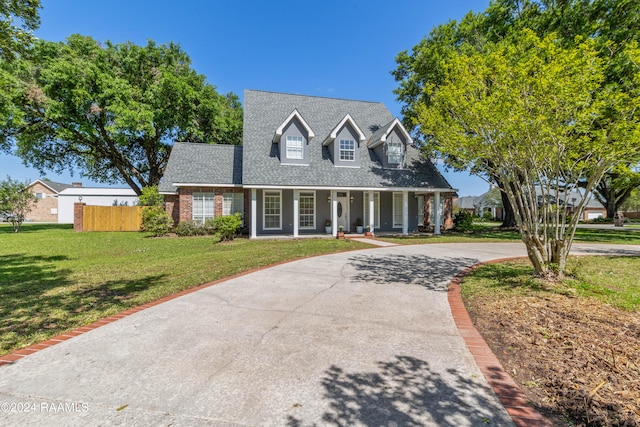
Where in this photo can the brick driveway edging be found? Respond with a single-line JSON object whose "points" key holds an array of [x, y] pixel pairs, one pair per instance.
{"points": [[507, 390]]}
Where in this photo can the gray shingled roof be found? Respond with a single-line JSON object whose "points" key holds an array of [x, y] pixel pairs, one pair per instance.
{"points": [[55, 186], [265, 111], [196, 163]]}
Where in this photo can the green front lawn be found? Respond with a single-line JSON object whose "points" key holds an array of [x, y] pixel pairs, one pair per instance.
{"points": [[52, 279], [489, 232], [610, 280]]}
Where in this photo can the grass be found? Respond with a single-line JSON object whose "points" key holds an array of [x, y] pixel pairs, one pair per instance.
{"points": [[52, 279], [489, 232], [610, 280]]}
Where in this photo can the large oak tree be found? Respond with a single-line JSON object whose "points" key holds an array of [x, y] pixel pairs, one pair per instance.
{"points": [[18, 20], [110, 111]]}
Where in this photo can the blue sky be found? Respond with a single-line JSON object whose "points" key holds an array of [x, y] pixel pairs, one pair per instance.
{"points": [[342, 49]]}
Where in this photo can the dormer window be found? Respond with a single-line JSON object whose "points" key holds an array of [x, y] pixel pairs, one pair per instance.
{"points": [[293, 137], [343, 141], [295, 147], [347, 150], [389, 142], [395, 152]]}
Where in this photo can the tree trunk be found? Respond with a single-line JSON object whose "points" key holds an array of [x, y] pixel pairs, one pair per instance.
{"points": [[509, 220]]}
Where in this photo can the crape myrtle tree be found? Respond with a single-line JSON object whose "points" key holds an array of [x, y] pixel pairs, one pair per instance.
{"points": [[611, 23], [533, 114], [111, 111]]}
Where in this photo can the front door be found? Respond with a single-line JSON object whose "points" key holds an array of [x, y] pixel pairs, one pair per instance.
{"points": [[343, 210]]}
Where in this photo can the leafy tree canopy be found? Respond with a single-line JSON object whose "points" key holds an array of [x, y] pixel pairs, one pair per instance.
{"points": [[530, 112], [18, 18], [111, 111], [612, 24]]}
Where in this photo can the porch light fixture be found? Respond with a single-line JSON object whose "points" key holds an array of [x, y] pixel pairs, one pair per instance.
{"points": [[351, 199], [329, 199], [79, 198]]}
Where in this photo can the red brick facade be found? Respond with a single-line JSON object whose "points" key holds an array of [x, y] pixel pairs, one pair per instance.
{"points": [[180, 206]]}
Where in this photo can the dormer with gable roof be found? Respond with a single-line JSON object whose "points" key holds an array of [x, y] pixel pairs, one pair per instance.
{"points": [[344, 143], [390, 144], [293, 137]]}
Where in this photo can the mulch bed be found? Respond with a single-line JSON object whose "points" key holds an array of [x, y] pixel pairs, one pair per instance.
{"points": [[576, 359]]}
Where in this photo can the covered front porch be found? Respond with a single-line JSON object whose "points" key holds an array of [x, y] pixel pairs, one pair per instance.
{"points": [[299, 212]]}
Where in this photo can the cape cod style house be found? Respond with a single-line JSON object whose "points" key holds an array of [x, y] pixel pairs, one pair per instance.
{"points": [[307, 162]]}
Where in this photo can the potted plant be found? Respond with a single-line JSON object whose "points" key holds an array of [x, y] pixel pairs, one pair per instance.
{"points": [[340, 232], [368, 231], [327, 226], [359, 226]]}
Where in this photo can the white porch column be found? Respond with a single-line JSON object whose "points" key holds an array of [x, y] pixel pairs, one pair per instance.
{"points": [[254, 215], [437, 211], [334, 213], [405, 213], [372, 218], [296, 209]]}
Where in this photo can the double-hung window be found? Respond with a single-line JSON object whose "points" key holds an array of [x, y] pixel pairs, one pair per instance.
{"points": [[347, 150], [294, 147], [394, 152], [202, 207], [307, 206], [272, 210], [233, 203]]}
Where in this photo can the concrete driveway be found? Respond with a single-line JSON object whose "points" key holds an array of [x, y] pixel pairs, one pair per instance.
{"points": [[358, 338]]}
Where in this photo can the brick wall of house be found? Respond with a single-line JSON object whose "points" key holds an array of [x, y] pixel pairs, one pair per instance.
{"points": [[180, 207], [46, 208], [171, 205]]}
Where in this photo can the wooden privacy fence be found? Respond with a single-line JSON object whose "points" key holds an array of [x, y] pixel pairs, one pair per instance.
{"points": [[111, 218]]}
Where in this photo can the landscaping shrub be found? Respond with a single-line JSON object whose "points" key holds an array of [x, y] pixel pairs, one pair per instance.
{"points": [[487, 216], [463, 221], [228, 226], [190, 228], [156, 220]]}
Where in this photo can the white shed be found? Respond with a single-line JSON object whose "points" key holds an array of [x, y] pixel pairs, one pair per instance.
{"points": [[92, 197]]}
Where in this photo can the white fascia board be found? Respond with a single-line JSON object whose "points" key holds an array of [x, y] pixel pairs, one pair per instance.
{"points": [[314, 187], [294, 114], [41, 182], [191, 184], [383, 138], [334, 132]]}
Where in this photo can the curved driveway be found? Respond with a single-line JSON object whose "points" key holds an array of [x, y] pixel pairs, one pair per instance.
{"points": [[357, 338]]}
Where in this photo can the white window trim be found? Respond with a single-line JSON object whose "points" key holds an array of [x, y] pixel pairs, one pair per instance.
{"points": [[235, 197], [202, 217], [401, 148], [340, 150], [264, 210], [376, 212], [313, 193], [397, 204], [298, 150]]}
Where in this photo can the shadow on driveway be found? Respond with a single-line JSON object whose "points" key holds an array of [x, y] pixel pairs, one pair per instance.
{"points": [[432, 273], [404, 391]]}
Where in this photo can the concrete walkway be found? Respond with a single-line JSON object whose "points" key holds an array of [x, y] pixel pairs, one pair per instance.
{"points": [[358, 338]]}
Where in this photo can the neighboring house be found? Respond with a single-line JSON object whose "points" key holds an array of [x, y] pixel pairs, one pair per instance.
{"points": [[92, 196], [592, 210], [467, 204], [306, 161], [46, 208], [479, 205]]}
